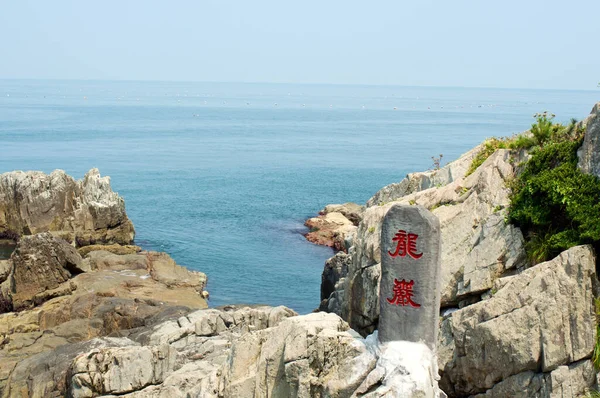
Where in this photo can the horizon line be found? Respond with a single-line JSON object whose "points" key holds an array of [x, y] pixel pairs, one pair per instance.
{"points": [[290, 83]]}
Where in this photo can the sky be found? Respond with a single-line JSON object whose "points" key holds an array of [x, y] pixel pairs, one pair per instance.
{"points": [[464, 43]]}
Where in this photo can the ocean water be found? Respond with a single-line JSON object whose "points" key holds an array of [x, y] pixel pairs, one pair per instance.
{"points": [[222, 176]]}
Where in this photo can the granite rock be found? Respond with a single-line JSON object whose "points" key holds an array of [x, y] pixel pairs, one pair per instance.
{"points": [[538, 326], [589, 153], [84, 212], [415, 182], [39, 268]]}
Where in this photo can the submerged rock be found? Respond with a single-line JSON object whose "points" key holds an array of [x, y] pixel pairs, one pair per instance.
{"points": [[84, 212]]}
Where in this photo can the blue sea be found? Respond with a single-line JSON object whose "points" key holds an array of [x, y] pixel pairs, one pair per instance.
{"points": [[222, 175]]}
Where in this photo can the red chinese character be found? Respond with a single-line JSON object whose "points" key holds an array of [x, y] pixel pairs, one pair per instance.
{"points": [[407, 244], [403, 292]]}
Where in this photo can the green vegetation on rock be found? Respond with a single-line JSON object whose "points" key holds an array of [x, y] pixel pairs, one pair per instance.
{"points": [[552, 201], [542, 132]]}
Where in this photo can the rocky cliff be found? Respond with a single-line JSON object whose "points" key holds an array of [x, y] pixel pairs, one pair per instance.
{"points": [[84, 212], [508, 330]]}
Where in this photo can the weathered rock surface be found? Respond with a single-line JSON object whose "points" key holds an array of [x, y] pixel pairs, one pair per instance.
{"points": [[415, 182], [44, 374], [84, 212], [70, 299], [332, 279], [233, 352], [533, 337], [351, 211], [245, 351], [335, 225], [589, 153], [38, 267], [114, 249], [403, 369]]}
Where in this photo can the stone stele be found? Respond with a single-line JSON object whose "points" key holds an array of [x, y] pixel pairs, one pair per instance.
{"points": [[409, 297]]}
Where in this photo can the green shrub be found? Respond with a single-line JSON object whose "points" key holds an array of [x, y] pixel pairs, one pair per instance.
{"points": [[521, 141], [554, 203], [543, 131]]}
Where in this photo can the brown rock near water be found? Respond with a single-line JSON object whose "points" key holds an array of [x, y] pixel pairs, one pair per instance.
{"points": [[84, 212], [114, 249], [334, 225]]}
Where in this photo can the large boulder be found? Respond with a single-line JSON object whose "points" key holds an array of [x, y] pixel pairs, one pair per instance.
{"points": [[533, 337], [589, 153], [39, 268], [182, 357], [84, 212], [45, 374]]}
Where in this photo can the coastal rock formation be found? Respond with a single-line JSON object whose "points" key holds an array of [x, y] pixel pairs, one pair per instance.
{"points": [[478, 246], [39, 266], [68, 299], [507, 330], [84, 212], [184, 354], [114, 249], [335, 225], [589, 153], [533, 337], [43, 267], [246, 351]]}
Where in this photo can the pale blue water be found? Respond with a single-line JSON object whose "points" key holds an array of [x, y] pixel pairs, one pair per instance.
{"points": [[222, 178]]}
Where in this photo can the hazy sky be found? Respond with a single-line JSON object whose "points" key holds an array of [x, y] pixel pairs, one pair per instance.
{"points": [[507, 43]]}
